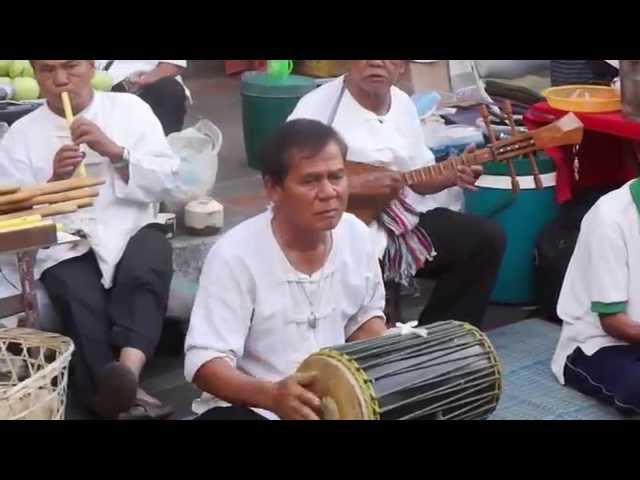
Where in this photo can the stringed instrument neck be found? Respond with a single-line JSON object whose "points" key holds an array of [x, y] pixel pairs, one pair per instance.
{"points": [[447, 167], [566, 131]]}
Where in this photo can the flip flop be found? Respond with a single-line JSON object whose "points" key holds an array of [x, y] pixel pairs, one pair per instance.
{"points": [[117, 387], [144, 410]]}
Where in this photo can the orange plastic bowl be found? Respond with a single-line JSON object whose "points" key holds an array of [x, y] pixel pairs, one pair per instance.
{"points": [[584, 98]]}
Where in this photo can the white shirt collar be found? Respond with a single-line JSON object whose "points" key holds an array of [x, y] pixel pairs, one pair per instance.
{"points": [[357, 110], [289, 272], [87, 112]]}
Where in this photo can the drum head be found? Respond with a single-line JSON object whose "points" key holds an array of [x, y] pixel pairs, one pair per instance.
{"points": [[343, 391]]}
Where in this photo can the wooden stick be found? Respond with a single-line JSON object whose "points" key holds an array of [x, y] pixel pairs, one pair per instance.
{"points": [[68, 113], [21, 221], [49, 199], [484, 112], [28, 193], [26, 226], [52, 210], [532, 160]]}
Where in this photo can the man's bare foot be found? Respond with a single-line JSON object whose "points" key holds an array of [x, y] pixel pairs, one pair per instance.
{"points": [[116, 390], [147, 408], [146, 398]]}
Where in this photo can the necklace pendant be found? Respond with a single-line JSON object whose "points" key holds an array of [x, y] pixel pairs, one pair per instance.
{"points": [[313, 320]]}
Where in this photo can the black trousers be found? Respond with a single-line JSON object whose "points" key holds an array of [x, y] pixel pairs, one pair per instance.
{"points": [[230, 413], [101, 322], [167, 99], [611, 374], [469, 252]]}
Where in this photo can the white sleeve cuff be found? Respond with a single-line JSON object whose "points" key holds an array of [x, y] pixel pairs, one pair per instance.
{"points": [[197, 357], [147, 184], [363, 316]]}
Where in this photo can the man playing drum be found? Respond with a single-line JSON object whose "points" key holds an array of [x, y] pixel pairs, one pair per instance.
{"points": [[297, 278]]}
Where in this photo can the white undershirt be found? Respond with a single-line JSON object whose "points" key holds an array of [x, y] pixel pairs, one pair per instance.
{"points": [[251, 306]]}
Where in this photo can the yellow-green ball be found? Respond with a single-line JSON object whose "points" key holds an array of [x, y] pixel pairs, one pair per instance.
{"points": [[102, 81], [4, 68], [20, 68], [25, 89]]}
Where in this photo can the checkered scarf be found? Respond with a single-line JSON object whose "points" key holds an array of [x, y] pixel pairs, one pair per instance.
{"points": [[409, 246]]}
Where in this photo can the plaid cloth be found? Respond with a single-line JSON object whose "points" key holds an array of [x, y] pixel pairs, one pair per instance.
{"points": [[409, 246]]}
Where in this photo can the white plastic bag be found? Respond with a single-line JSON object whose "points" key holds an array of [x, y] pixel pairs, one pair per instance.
{"points": [[198, 148]]}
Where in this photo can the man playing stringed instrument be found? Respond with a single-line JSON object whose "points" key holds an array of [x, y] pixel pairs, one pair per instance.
{"points": [[381, 127], [110, 290]]}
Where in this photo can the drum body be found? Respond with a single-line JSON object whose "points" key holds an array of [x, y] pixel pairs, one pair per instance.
{"points": [[451, 373]]}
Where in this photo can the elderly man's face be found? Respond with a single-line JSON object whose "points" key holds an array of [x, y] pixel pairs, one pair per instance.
{"points": [[72, 76], [376, 76]]}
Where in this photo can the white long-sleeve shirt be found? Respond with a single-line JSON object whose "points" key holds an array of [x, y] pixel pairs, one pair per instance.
{"points": [[255, 310], [26, 158]]}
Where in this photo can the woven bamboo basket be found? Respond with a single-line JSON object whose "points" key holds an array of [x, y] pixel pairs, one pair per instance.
{"points": [[33, 374]]}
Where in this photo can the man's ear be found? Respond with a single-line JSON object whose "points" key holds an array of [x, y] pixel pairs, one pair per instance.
{"points": [[272, 189]]}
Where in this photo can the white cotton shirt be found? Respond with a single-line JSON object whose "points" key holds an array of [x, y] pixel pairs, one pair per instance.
{"points": [[605, 268], [394, 141], [26, 158], [251, 308], [122, 69]]}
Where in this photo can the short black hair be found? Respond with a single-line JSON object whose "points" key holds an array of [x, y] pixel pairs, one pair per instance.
{"points": [[306, 135]]}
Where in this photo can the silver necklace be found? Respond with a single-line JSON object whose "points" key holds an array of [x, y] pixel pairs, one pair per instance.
{"points": [[313, 318]]}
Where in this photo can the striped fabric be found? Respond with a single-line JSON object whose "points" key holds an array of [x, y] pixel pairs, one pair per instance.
{"points": [[576, 72], [409, 246]]}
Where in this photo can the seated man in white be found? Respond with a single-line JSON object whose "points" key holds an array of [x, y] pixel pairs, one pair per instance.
{"points": [[280, 286], [111, 289], [380, 124], [157, 82], [599, 346]]}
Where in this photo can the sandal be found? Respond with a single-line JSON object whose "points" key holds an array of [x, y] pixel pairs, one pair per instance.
{"points": [[144, 410]]}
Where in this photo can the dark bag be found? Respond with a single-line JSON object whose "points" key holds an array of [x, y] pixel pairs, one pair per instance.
{"points": [[554, 248]]}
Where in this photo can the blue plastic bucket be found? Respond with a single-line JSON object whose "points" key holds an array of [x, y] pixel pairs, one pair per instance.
{"points": [[522, 216]]}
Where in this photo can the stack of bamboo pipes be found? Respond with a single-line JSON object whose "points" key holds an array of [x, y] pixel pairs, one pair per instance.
{"points": [[22, 207]]}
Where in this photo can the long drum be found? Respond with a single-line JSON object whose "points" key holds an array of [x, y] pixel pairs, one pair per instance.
{"points": [[452, 373]]}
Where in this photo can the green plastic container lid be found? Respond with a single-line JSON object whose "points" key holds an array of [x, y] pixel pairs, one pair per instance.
{"points": [[259, 84], [522, 166]]}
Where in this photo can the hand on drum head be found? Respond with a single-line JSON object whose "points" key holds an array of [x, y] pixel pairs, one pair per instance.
{"points": [[292, 401]]}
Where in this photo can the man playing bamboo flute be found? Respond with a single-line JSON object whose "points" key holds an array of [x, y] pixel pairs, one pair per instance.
{"points": [[111, 289]]}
